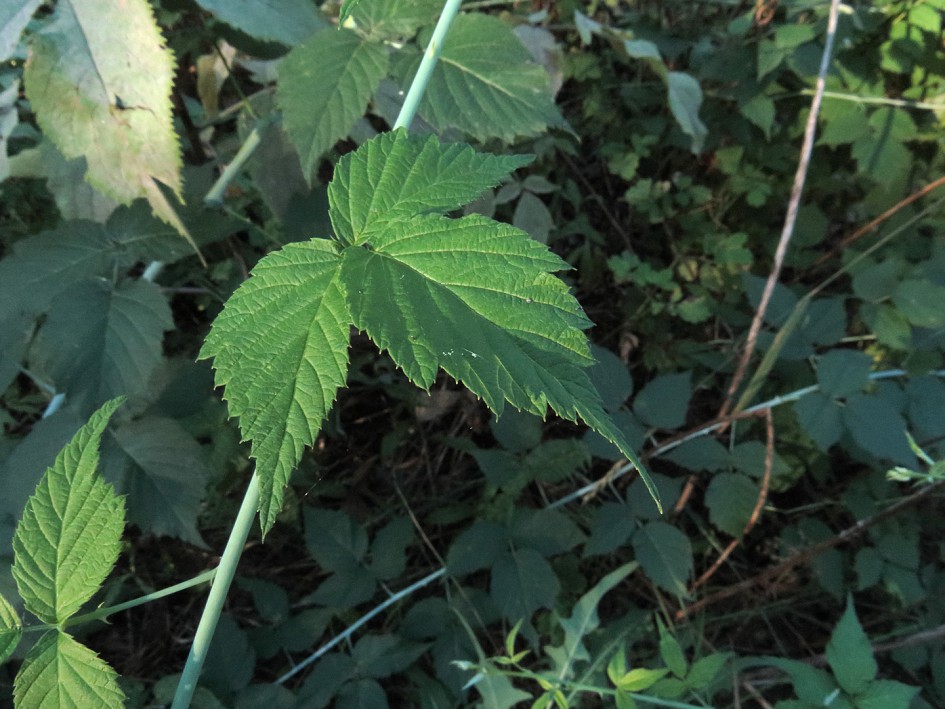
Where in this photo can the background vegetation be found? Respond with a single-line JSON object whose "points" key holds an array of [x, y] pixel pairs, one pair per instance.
{"points": [[799, 558]]}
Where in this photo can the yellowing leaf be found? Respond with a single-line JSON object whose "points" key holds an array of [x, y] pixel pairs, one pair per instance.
{"points": [[105, 96]]}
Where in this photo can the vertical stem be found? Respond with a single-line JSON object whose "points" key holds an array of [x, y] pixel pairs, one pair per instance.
{"points": [[425, 71], [221, 584]]}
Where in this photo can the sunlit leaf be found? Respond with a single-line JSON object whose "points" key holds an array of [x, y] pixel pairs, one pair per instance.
{"points": [[70, 534], [60, 672], [109, 100]]}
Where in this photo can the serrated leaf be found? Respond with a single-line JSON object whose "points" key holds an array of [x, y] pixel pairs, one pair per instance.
{"points": [[878, 428], [388, 550], [522, 582], [503, 324], [391, 18], [820, 417], [395, 177], [161, 469], [584, 618], [850, 654], [285, 21], [663, 402], [885, 693], [611, 527], [70, 534], [486, 83], [108, 99], [324, 87], [476, 548], [14, 16], [60, 672], [665, 555], [100, 341], [11, 629], [380, 656], [280, 348]]}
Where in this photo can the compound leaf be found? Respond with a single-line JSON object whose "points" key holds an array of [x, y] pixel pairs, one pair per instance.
{"points": [[392, 18], [523, 582], [285, 21], [109, 100], [70, 534], [280, 348], [60, 672], [324, 86], [470, 296], [486, 83], [100, 341]]}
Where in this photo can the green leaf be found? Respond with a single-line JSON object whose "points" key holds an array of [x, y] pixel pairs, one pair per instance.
{"points": [[324, 87], [485, 83], [280, 348], [663, 402], [398, 177], [843, 372], [885, 693], [731, 499], [671, 652], [878, 428], [392, 18], [498, 692], [705, 669], [100, 341], [476, 548], [380, 656], [60, 672], [471, 296], [363, 693], [14, 16], [850, 654], [161, 469], [665, 555], [685, 98], [334, 540], [640, 679], [611, 527], [921, 302], [109, 100], [523, 582], [584, 619], [821, 418], [388, 550], [70, 534], [11, 629], [284, 21]]}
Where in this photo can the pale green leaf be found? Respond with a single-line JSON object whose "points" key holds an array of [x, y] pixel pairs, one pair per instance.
{"points": [[280, 348], [392, 18], [160, 468], [685, 98], [70, 534], [665, 555], [486, 83], [850, 654], [285, 21], [522, 582], [100, 341], [324, 87], [14, 16], [393, 176], [11, 629], [584, 618], [60, 672], [107, 97]]}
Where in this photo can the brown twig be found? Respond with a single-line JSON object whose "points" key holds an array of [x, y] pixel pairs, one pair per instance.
{"points": [[790, 219], [805, 555], [869, 226], [755, 513]]}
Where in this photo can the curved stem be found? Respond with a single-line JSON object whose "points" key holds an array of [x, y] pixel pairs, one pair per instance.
{"points": [[211, 612]]}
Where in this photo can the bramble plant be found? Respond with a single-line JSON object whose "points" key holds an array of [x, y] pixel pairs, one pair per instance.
{"points": [[367, 224]]}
